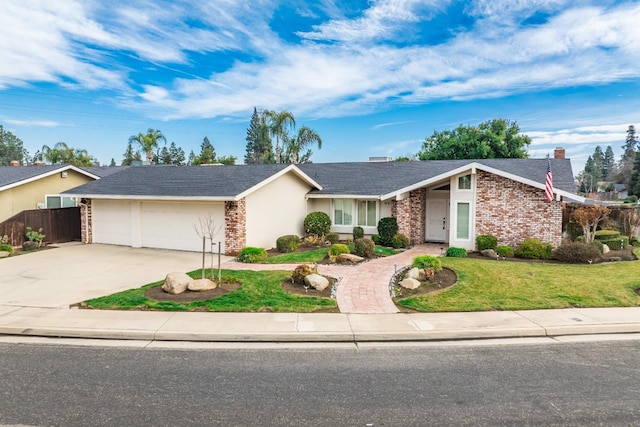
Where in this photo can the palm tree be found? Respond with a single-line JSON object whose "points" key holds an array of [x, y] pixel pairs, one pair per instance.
{"points": [[148, 142], [305, 137], [60, 153], [279, 125]]}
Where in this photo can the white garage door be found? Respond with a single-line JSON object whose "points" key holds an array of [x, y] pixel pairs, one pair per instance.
{"points": [[111, 222], [172, 225]]}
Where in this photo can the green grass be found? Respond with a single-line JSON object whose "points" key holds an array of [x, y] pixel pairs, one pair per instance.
{"points": [[301, 257], [486, 285], [260, 290]]}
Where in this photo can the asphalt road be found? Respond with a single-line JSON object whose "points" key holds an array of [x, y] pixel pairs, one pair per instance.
{"points": [[565, 384]]}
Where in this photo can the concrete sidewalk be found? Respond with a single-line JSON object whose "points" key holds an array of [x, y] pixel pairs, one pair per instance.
{"points": [[298, 327]]}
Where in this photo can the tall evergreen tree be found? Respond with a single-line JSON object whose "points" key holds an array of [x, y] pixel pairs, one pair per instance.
{"points": [[259, 148], [130, 155], [177, 154], [207, 153], [627, 161], [609, 163]]}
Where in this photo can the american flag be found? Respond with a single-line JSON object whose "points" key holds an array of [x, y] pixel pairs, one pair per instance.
{"points": [[548, 188]]}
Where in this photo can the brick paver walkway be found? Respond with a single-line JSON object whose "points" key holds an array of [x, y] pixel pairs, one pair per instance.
{"points": [[363, 288]]}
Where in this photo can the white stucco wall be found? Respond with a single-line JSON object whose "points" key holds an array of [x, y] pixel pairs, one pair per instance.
{"points": [[275, 210]]}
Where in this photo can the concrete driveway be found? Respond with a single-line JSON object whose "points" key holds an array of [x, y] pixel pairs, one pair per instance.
{"points": [[73, 272]]}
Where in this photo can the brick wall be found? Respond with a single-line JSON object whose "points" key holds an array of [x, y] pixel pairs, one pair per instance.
{"points": [[86, 222], [410, 214], [235, 233], [513, 211]]}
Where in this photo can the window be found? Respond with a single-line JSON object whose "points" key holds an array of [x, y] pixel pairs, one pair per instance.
{"points": [[464, 182], [342, 212], [367, 213], [462, 221], [60, 202]]}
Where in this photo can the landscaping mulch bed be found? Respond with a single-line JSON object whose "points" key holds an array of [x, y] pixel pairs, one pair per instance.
{"points": [[156, 293], [440, 281], [622, 255]]}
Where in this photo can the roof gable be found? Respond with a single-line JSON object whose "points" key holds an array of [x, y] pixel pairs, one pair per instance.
{"points": [[212, 182], [14, 176]]}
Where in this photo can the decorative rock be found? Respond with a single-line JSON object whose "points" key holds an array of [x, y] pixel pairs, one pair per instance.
{"points": [[605, 248], [490, 253], [348, 259], [176, 283], [317, 282], [29, 245], [410, 283], [416, 273], [4, 254], [199, 285]]}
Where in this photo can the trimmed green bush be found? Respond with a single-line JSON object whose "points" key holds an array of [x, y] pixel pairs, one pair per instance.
{"points": [[364, 247], [288, 243], [533, 248], [317, 223], [332, 238], [358, 233], [400, 241], [339, 248], [376, 239], [617, 244], [631, 199], [505, 251], [6, 248], [252, 255], [486, 241], [387, 228], [607, 235], [598, 244], [427, 261], [576, 253], [456, 252]]}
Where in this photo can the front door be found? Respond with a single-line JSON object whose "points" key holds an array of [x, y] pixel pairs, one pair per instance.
{"points": [[436, 230]]}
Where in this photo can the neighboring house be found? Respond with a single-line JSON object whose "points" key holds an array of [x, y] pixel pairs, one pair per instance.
{"points": [[620, 191], [37, 187], [439, 201]]}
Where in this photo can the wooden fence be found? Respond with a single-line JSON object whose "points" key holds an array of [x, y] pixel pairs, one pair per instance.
{"points": [[58, 225]]}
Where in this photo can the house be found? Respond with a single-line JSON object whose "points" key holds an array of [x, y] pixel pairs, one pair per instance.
{"points": [[448, 201], [36, 187]]}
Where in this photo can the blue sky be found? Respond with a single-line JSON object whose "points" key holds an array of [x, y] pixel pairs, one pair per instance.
{"points": [[373, 78]]}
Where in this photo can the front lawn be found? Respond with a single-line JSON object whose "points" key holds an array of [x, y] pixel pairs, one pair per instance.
{"points": [[260, 291], [503, 285]]}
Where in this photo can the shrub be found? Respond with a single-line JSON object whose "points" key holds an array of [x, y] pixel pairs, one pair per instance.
{"points": [[387, 228], [332, 238], [424, 262], [4, 240], [6, 248], [533, 248], [34, 236], [456, 252], [317, 223], [576, 252], [617, 244], [252, 255], [631, 199], [486, 241], [358, 233], [288, 243], [399, 240], [364, 247], [312, 239], [376, 239], [607, 234], [302, 271], [338, 249], [505, 251], [598, 244]]}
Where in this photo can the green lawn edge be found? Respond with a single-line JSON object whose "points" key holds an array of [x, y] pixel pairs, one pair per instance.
{"points": [[260, 291], [486, 285]]}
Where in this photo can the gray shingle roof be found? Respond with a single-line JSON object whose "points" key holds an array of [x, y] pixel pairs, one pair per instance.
{"points": [[378, 178], [364, 178], [223, 181], [14, 174]]}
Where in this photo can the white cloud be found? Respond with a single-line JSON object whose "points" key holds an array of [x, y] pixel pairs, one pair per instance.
{"points": [[33, 123]]}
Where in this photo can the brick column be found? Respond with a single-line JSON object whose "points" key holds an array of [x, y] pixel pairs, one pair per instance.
{"points": [[235, 229], [410, 214], [86, 229]]}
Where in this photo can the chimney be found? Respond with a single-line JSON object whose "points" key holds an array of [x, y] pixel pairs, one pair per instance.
{"points": [[14, 163], [38, 163], [558, 153]]}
